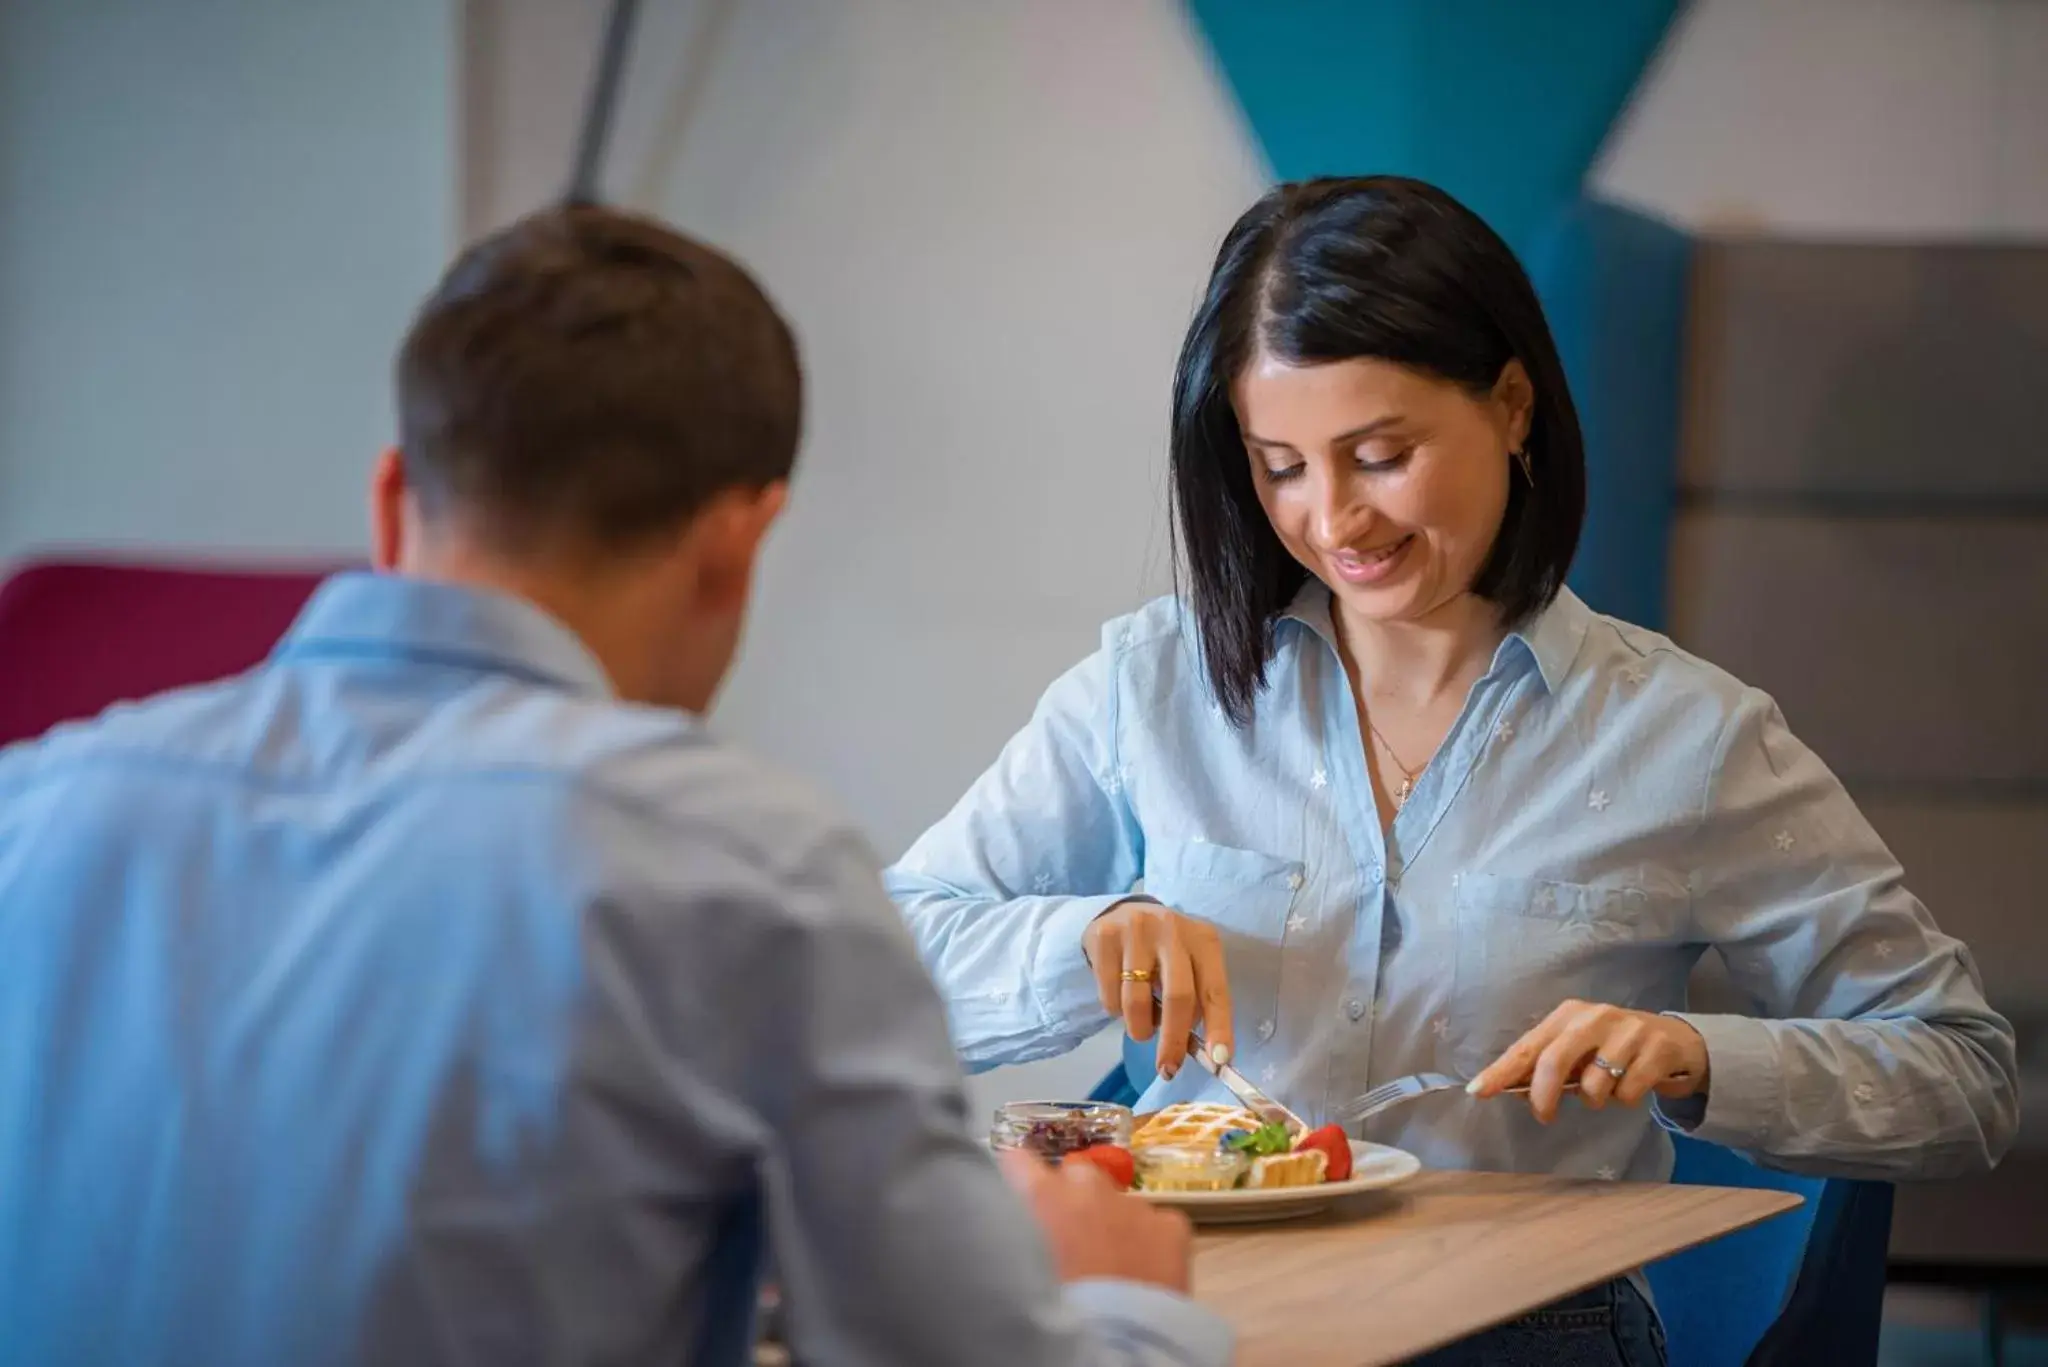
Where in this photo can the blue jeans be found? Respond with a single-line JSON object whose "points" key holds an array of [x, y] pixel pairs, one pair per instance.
{"points": [[1609, 1326]]}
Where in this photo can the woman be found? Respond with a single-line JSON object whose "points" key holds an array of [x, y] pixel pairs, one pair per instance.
{"points": [[1399, 802]]}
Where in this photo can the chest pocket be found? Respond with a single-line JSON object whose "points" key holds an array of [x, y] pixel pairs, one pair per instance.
{"points": [[1247, 896], [1527, 944]]}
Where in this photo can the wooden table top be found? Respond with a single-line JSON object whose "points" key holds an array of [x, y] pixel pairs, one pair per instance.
{"points": [[1382, 1277]]}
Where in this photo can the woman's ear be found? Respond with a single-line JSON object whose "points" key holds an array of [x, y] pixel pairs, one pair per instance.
{"points": [[1515, 396]]}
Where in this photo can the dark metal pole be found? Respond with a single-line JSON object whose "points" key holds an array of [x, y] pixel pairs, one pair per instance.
{"points": [[584, 184]]}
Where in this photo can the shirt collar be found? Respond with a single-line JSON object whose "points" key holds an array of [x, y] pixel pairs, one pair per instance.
{"points": [[382, 616], [1311, 608], [1551, 638]]}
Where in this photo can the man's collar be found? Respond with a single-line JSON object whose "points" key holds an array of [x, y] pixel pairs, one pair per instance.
{"points": [[367, 615]]}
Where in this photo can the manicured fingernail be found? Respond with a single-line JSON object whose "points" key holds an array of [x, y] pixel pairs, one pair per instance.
{"points": [[1472, 1087], [1220, 1052], [1169, 1070]]}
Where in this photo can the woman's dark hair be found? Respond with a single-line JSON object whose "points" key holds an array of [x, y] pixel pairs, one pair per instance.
{"points": [[1331, 270]]}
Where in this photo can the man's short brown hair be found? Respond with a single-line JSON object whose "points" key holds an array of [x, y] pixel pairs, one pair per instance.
{"points": [[593, 376]]}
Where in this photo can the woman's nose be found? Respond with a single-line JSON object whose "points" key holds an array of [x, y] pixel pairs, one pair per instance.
{"points": [[1337, 513]]}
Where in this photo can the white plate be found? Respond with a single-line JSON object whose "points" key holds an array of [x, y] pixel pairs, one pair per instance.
{"points": [[1374, 1167]]}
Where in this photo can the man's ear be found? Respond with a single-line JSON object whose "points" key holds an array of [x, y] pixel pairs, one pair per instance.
{"points": [[729, 536], [390, 503]]}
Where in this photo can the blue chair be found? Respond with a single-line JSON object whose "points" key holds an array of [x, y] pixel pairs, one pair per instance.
{"points": [[1121, 1085], [1802, 1289], [1805, 1287]]}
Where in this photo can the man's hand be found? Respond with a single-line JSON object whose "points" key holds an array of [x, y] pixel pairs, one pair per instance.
{"points": [[1095, 1230], [1655, 1053], [1136, 947]]}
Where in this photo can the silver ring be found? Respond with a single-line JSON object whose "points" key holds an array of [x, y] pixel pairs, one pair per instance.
{"points": [[1617, 1071]]}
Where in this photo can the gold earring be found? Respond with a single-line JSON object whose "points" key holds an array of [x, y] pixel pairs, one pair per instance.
{"points": [[1528, 472]]}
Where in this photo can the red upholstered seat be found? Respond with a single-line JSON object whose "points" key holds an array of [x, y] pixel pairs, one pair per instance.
{"points": [[77, 636]]}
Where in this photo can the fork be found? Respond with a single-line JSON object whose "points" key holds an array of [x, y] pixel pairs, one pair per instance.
{"points": [[1399, 1092], [1403, 1090]]}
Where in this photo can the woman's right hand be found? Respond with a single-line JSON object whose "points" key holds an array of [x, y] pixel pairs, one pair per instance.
{"points": [[1136, 948]]}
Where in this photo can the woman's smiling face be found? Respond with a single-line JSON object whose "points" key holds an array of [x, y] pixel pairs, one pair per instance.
{"points": [[1386, 483]]}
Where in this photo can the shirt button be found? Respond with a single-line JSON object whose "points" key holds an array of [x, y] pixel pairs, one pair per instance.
{"points": [[1295, 880], [1265, 1030], [1355, 1009], [1372, 872]]}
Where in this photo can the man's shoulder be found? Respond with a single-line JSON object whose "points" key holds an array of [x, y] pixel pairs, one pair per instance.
{"points": [[181, 723], [666, 768], [686, 784]]}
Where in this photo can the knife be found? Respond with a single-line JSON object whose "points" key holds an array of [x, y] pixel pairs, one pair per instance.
{"points": [[1269, 1111]]}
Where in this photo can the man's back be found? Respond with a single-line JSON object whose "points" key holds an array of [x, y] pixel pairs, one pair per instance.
{"points": [[421, 998], [322, 1035]]}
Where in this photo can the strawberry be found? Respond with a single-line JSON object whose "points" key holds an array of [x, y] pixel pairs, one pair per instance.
{"points": [[1336, 1151], [1114, 1161]]}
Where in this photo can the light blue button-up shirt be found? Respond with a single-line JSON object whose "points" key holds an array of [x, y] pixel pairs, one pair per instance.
{"points": [[412, 1000], [1605, 808]]}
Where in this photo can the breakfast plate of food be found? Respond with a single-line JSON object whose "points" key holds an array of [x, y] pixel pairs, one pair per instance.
{"points": [[1220, 1164], [1217, 1163]]}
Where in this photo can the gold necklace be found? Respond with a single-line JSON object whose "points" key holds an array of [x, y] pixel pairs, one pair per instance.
{"points": [[1407, 774]]}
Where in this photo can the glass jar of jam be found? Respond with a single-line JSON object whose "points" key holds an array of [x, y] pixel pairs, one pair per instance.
{"points": [[1053, 1129]]}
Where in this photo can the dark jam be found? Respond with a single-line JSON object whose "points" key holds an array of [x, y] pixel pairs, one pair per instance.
{"points": [[1053, 1129]]}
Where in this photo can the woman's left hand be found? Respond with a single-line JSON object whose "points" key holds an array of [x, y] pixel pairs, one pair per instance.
{"points": [[1652, 1052]]}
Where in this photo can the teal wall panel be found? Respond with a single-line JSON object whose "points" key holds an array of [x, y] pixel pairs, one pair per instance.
{"points": [[1502, 102]]}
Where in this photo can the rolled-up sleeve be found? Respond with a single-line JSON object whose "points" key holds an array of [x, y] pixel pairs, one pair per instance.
{"points": [[998, 894], [1874, 1053]]}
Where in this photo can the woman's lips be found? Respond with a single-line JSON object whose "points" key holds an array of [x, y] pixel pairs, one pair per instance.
{"points": [[1369, 567]]}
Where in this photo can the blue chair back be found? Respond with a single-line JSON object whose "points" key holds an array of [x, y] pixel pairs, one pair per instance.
{"points": [[1804, 1287], [1126, 1082], [1718, 1299], [1615, 285]]}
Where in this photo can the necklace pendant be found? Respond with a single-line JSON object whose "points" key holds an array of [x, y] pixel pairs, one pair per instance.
{"points": [[1401, 798]]}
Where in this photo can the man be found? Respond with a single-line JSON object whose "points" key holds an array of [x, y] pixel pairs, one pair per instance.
{"points": [[441, 991]]}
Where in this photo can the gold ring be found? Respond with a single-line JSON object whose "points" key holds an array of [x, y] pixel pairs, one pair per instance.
{"points": [[1137, 975]]}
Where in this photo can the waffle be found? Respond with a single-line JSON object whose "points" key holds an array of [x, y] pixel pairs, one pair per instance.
{"points": [[1303, 1168], [1200, 1123]]}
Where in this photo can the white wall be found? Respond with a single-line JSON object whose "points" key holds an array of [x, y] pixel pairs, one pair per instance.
{"points": [[1883, 119], [214, 217], [990, 223]]}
